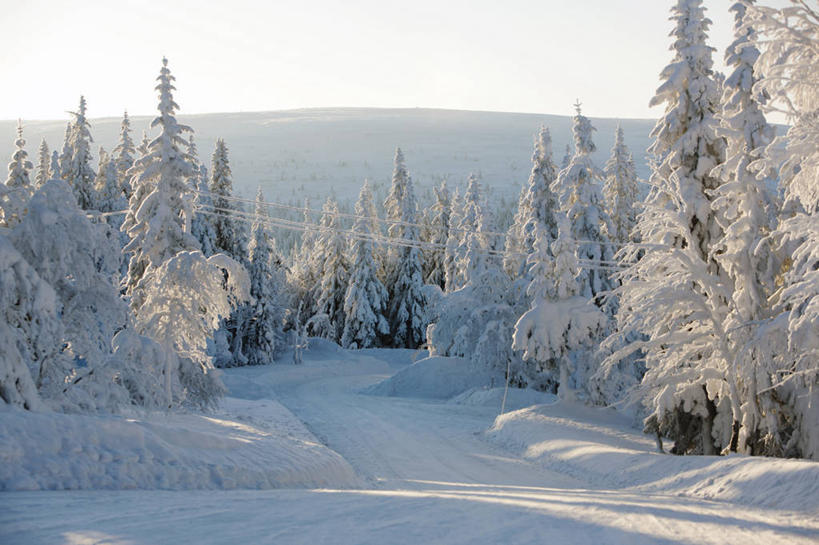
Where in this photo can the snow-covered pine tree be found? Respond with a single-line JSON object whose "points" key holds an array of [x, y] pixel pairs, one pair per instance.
{"points": [[30, 329], [201, 224], [559, 322], [177, 295], [470, 250], [75, 165], [620, 189], [303, 274], [109, 194], [393, 212], [78, 259], [452, 255], [264, 336], [161, 215], [365, 301], [16, 191], [43, 165], [407, 312], [331, 255], [65, 153], [578, 187], [788, 42], [435, 273], [746, 210], [537, 205], [230, 232], [675, 295], [123, 156], [54, 169]]}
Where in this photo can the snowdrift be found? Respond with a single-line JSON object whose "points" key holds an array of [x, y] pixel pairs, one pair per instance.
{"points": [[265, 447], [436, 377], [600, 446]]}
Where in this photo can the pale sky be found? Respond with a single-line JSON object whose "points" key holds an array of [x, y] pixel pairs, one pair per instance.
{"points": [[532, 56]]}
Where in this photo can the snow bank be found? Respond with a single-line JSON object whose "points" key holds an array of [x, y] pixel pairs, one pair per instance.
{"points": [[516, 398], [436, 377], [599, 446], [248, 444]]}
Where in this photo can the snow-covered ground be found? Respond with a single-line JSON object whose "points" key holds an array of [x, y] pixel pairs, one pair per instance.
{"points": [[429, 471]]}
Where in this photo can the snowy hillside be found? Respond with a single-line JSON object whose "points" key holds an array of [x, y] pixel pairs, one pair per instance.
{"points": [[336, 148]]}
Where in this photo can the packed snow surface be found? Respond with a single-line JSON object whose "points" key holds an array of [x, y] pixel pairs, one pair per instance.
{"points": [[429, 471]]}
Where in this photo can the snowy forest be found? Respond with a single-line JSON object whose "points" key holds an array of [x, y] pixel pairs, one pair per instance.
{"points": [[130, 278]]}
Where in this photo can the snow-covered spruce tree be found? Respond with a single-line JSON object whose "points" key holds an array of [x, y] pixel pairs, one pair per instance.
{"points": [[303, 274], [123, 156], [182, 307], [438, 233], [230, 232], [202, 225], [178, 296], [469, 222], [65, 153], [452, 250], [579, 189], [393, 212], [560, 324], [407, 312], [537, 205], [160, 209], [264, 336], [620, 190], [30, 329], [745, 211], [109, 196], [79, 260], [365, 301], [475, 321], [75, 165], [16, 191], [43, 165], [676, 294], [788, 42], [54, 169], [331, 254]]}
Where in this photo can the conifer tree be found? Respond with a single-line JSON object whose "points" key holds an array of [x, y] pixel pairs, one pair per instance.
{"points": [[75, 166], [159, 207], [675, 295], [365, 301], [230, 236], [43, 166], [438, 235], [452, 257], [393, 210], [264, 336], [579, 189], [620, 189], [124, 156], [788, 40], [54, 170], [330, 251], [16, 191], [110, 197], [407, 307], [537, 205]]}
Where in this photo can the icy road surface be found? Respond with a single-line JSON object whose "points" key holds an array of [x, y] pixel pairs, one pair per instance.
{"points": [[429, 476]]}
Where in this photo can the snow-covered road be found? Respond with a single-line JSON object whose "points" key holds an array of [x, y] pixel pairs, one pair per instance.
{"points": [[429, 476]]}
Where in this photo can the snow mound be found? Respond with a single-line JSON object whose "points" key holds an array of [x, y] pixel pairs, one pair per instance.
{"points": [[264, 447], [436, 377], [600, 446], [516, 398]]}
